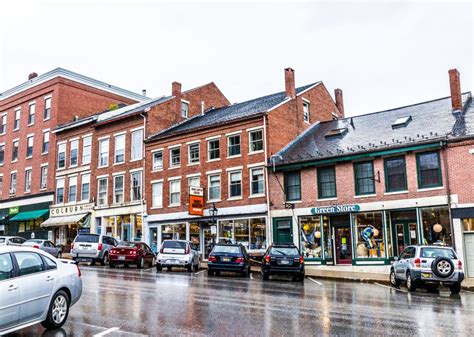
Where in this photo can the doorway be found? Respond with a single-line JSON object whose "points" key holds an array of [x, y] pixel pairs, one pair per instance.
{"points": [[208, 240], [282, 231], [343, 244], [126, 232], [404, 234], [469, 253]]}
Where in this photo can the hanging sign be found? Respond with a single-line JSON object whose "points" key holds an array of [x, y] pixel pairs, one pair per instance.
{"points": [[335, 209], [196, 201], [13, 210]]}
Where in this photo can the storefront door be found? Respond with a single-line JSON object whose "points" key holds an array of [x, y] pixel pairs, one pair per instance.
{"points": [[343, 244], [209, 240], [404, 234], [126, 232], [282, 231], [469, 251]]}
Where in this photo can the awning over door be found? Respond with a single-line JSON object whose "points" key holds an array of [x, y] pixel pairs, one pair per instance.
{"points": [[64, 220], [31, 215]]}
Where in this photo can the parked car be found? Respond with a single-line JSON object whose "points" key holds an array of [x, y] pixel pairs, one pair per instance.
{"points": [[427, 265], [92, 248], [283, 260], [11, 240], [177, 253], [44, 245], [35, 288], [128, 253], [228, 257]]}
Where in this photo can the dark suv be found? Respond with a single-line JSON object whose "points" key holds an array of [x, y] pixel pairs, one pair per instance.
{"points": [[283, 259], [228, 257]]}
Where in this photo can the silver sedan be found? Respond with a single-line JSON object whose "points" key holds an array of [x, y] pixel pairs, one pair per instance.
{"points": [[44, 245], [35, 288]]}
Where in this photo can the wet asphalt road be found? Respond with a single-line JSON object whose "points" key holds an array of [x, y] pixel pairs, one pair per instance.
{"points": [[131, 302]]}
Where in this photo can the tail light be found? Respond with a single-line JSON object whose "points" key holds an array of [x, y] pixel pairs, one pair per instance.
{"points": [[133, 252], [112, 251], [267, 258], [36, 246], [239, 260], [99, 246], [212, 258], [161, 249], [78, 271], [301, 259], [72, 246], [459, 264], [417, 262], [187, 250]]}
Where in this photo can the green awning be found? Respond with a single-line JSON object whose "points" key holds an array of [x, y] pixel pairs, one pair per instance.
{"points": [[31, 215]]}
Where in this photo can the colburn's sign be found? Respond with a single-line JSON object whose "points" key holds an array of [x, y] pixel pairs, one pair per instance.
{"points": [[335, 209], [70, 210]]}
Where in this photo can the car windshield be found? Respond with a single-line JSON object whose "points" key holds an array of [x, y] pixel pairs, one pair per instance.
{"points": [[127, 244], [227, 249], [87, 238], [34, 241], [434, 252], [283, 251], [174, 244]]}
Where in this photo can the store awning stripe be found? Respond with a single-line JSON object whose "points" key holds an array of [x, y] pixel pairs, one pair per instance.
{"points": [[63, 220], [31, 215]]}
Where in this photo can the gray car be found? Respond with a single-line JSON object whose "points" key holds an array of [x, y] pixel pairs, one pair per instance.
{"points": [[11, 240], [35, 287], [92, 248], [429, 266], [44, 245]]}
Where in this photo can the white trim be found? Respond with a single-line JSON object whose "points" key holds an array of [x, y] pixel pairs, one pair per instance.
{"points": [[214, 171], [174, 178], [44, 164], [157, 150], [193, 142], [233, 157], [27, 201], [73, 175], [102, 176], [235, 198], [252, 196], [61, 143], [48, 96], [103, 137], [365, 196], [233, 133], [430, 189], [4, 114], [256, 164], [255, 128], [326, 199], [14, 171], [156, 181], [136, 129], [214, 137], [193, 175], [120, 133], [87, 135], [28, 168], [46, 130], [135, 170], [396, 192], [30, 135], [74, 139], [185, 101], [213, 160], [85, 172], [174, 146], [119, 173], [236, 168], [255, 152], [306, 100]]}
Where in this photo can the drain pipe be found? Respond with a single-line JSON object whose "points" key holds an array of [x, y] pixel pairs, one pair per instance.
{"points": [[145, 231], [444, 146], [267, 190]]}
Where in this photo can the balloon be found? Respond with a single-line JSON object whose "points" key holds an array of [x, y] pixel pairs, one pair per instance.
{"points": [[437, 228], [376, 232], [317, 235]]}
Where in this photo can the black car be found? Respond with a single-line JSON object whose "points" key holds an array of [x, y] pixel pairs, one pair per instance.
{"points": [[283, 260], [228, 257]]}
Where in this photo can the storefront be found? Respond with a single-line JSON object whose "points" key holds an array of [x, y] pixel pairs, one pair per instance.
{"points": [[463, 221], [124, 223], [25, 220]]}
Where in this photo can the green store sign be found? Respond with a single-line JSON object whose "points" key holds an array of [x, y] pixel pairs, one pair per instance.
{"points": [[335, 209], [13, 210]]}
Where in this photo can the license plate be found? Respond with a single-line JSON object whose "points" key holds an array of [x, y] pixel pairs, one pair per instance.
{"points": [[426, 275], [83, 259], [284, 262], [172, 262], [121, 258], [226, 259]]}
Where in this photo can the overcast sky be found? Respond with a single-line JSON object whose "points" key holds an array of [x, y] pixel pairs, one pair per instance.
{"points": [[383, 55]]}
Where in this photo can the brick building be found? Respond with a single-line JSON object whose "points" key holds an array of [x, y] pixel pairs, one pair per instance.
{"points": [[100, 179], [29, 112], [357, 190], [224, 151]]}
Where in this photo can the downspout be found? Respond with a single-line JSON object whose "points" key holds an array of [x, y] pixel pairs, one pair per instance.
{"points": [[267, 190], [444, 146], [144, 222]]}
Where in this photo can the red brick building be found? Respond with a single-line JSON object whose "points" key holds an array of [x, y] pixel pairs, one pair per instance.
{"points": [[29, 112], [224, 151]]}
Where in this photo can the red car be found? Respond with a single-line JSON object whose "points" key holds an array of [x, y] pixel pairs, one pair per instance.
{"points": [[128, 253]]}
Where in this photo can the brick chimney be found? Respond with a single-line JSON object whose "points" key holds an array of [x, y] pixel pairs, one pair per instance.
{"points": [[455, 85], [339, 100], [176, 89], [32, 75], [290, 83]]}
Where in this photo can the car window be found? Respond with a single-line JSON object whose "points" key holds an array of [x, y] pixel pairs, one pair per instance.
{"points": [[283, 251], [6, 267], [403, 255], [46, 244], [226, 249], [51, 244], [29, 263], [50, 264], [18, 241], [411, 253], [2, 240], [434, 252], [174, 244], [87, 238]]}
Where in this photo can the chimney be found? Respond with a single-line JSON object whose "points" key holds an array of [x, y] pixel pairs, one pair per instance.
{"points": [[455, 85], [144, 92], [290, 83], [32, 75], [339, 100], [176, 89]]}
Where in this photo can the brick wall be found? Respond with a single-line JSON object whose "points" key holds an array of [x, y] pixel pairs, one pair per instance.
{"points": [[461, 170]]}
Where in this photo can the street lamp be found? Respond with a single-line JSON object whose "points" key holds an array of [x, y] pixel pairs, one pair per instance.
{"points": [[213, 211]]}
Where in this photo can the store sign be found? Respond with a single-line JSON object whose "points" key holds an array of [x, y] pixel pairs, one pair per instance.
{"points": [[196, 201], [13, 210], [70, 210], [335, 209]]}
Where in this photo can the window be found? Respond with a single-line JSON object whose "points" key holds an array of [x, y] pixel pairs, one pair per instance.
{"points": [[292, 186], [429, 170], [62, 155], [45, 147], [74, 153], [16, 123], [370, 235], [103, 152], [251, 233], [235, 184], [193, 153], [436, 226], [31, 114], [233, 146], [364, 178], [1, 185], [184, 109], [194, 182], [27, 180], [315, 239], [175, 192], [15, 150], [401, 122], [136, 186], [2, 154], [85, 187], [213, 149], [118, 189], [47, 108], [102, 191], [214, 187], [72, 189], [28, 263], [6, 267], [306, 111], [137, 145], [327, 182], [256, 181], [13, 183], [3, 127], [175, 157], [86, 150], [256, 141], [44, 177], [29, 147], [157, 194], [119, 156], [395, 174], [60, 191], [157, 160]]}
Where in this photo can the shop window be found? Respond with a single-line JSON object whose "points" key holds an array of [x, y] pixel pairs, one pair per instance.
{"points": [[157, 194], [193, 153], [436, 226], [311, 237], [213, 149], [173, 232], [235, 184], [30, 225], [175, 157], [256, 182], [251, 233], [175, 192], [136, 186], [214, 187], [118, 189], [137, 145], [429, 170], [103, 152], [119, 156], [364, 178], [233, 146], [86, 150], [468, 225], [258, 238], [157, 160], [241, 232], [370, 233], [292, 186], [226, 232], [395, 174], [21, 227], [255, 141], [195, 235], [327, 182]]}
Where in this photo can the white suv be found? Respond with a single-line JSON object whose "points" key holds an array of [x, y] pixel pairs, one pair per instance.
{"points": [[177, 253], [92, 248]]}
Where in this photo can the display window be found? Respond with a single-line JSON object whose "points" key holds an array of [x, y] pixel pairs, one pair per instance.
{"points": [[258, 239], [436, 226], [173, 232], [369, 229], [311, 237], [194, 235], [251, 233]]}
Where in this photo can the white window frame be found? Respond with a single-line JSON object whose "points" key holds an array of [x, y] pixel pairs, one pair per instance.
{"points": [[240, 145], [46, 134], [184, 113], [198, 144], [60, 184], [28, 173], [47, 99], [17, 142], [141, 185], [31, 108], [251, 181], [85, 181], [193, 179], [171, 149], [61, 149], [44, 177], [115, 177], [106, 200], [101, 141], [156, 168], [2, 146], [4, 123], [73, 144], [28, 138], [156, 200], [209, 149], [17, 118], [306, 113], [72, 182], [250, 140], [170, 183], [136, 155], [121, 149], [209, 187], [229, 183], [86, 150]]}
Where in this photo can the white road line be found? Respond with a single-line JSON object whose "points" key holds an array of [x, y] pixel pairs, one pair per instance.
{"points": [[106, 332], [199, 272], [397, 289], [317, 282], [251, 276]]}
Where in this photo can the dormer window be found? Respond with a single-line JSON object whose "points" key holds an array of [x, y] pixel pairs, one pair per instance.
{"points": [[336, 132], [401, 122], [184, 109]]}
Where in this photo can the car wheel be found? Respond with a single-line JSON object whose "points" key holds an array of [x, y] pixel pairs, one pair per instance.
{"points": [[196, 267], [265, 276], [152, 263], [105, 259], [301, 277], [141, 263], [59, 255], [393, 279], [210, 273], [158, 267], [411, 284], [168, 268], [442, 267], [93, 262], [455, 288], [58, 311], [190, 268]]}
